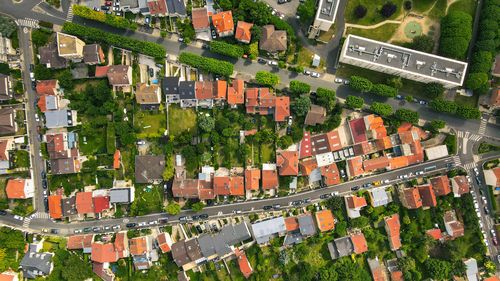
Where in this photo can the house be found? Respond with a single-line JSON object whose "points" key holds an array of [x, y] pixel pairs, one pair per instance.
{"points": [[223, 23], [55, 207], [441, 185], [471, 270], [340, 247], [131, 6], [325, 17], [103, 271], [164, 242], [493, 100], [434, 233], [170, 88], [93, 54], [179, 253], [6, 49], [62, 166], [8, 124], [103, 253], [492, 177], [121, 244], [252, 179], [229, 185], [187, 94], [315, 116], [48, 103], [5, 87], [243, 32], [61, 118], [330, 174], [84, 204], [36, 264], [101, 71], [68, 206], [100, 202], [62, 145], [9, 275], [122, 192], [5, 146], [269, 177], [454, 227], [49, 56], [288, 163], [459, 185], [377, 269], [307, 166], [263, 231], [355, 167], [436, 152], [81, 242], [69, 46], [20, 189], [149, 168], [263, 102], [243, 263], [327, 142], [306, 225], [392, 228], [176, 8], [186, 188], [148, 96], [410, 198], [157, 8], [272, 40], [236, 93], [120, 75], [325, 220], [141, 250], [354, 204], [201, 23], [378, 197], [359, 242], [376, 164], [220, 245], [427, 194]]}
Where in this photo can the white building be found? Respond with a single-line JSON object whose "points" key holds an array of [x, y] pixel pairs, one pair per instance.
{"points": [[325, 17]]}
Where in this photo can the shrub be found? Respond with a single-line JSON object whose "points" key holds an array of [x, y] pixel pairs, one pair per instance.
{"points": [[226, 49], [360, 11], [326, 98], [441, 105], [388, 9], [476, 80], [381, 109], [406, 115], [267, 78], [361, 84], [109, 19], [301, 105], [408, 5], [354, 102], [384, 90], [468, 112], [433, 90], [97, 35], [207, 64], [451, 143], [306, 10], [456, 32], [423, 43], [298, 88]]}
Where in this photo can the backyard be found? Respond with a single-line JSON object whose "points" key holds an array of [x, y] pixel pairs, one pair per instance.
{"points": [[93, 143], [151, 124], [148, 199], [180, 120]]}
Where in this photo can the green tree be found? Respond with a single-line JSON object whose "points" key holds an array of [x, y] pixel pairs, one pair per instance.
{"points": [[301, 105], [334, 203], [406, 115], [299, 88], [173, 208], [253, 50], [226, 5], [354, 102], [475, 80], [326, 98], [395, 82], [306, 11], [456, 32], [433, 90], [409, 98], [206, 122], [65, 79], [74, 268], [423, 43], [40, 37], [266, 78], [384, 90], [436, 125], [285, 141], [360, 84], [468, 112], [226, 49], [207, 64], [442, 105], [438, 269], [382, 109], [198, 206], [481, 62], [168, 172]]}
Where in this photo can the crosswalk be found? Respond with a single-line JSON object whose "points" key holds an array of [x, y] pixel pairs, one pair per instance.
{"points": [[27, 22], [26, 222], [69, 16], [482, 126], [468, 136], [41, 215], [456, 161], [470, 166]]}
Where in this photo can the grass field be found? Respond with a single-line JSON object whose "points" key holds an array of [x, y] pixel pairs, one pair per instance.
{"points": [[93, 144], [439, 9], [382, 33], [467, 6], [373, 15], [147, 200], [267, 152], [469, 101], [180, 120], [152, 125], [422, 5], [22, 159]]}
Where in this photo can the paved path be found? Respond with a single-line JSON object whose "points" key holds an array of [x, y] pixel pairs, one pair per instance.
{"points": [[372, 26]]}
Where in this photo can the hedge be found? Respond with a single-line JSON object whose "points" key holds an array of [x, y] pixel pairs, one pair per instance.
{"points": [[384, 90], [298, 88], [207, 64], [382, 109], [109, 19], [456, 32], [361, 84], [97, 35], [267, 78], [450, 107], [226, 49]]}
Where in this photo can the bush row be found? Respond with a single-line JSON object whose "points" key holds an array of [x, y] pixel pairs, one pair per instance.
{"points": [[366, 86], [97, 35], [109, 19], [226, 49], [456, 32], [450, 107], [207, 64]]}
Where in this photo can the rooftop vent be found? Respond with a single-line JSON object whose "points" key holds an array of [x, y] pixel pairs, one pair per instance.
{"points": [[390, 57]]}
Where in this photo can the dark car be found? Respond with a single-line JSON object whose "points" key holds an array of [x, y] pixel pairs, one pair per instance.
{"points": [[43, 174], [32, 67], [3, 213], [46, 204], [164, 220], [354, 188], [131, 225], [267, 208], [87, 230], [261, 60], [105, 8], [204, 216], [151, 72], [195, 217], [205, 46], [33, 85], [44, 184], [54, 231], [325, 196]]}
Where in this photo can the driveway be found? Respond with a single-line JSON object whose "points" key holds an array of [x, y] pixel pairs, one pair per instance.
{"points": [[288, 8]]}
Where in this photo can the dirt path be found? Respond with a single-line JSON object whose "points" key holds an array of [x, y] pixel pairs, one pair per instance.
{"points": [[372, 26]]}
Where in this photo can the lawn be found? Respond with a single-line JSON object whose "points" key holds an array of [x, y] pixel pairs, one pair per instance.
{"points": [[422, 5], [467, 6], [180, 120], [486, 147], [22, 159], [71, 182], [148, 199], [305, 56], [152, 125], [373, 15], [95, 144], [382, 33], [267, 153], [468, 101]]}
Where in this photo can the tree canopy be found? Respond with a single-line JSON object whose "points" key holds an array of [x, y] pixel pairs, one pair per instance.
{"points": [[326, 98], [299, 88], [423, 43], [381, 109], [301, 105], [456, 32], [267, 78], [354, 102], [360, 84]]}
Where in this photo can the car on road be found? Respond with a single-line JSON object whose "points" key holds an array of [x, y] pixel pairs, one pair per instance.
{"points": [[385, 181], [18, 217], [354, 188], [32, 76], [335, 193], [131, 225], [290, 120], [281, 1], [325, 196], [163, 221], [265, 208], [307, 72], [54, 231], [37, 119], [105, 8], [33, 85], [366, 185], [44, 184], [3, 213], [107, 228], [276, 206], [272, 62], [315, 74], [195, 217], [476, 171], [347, 82], [423, 102], [87, 230], [183, 219], [203, 216], [153, 222], [97, 229], [236, 211], [296, 203], [495, 241], [261, 60], [141, 224], [338, 80], [77, 231]]}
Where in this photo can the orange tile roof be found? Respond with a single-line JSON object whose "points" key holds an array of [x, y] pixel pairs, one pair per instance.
{"points": [[435, 233], [392, 227], [138, 246], [404, 127], [355, 202], [42, 103], [200, 18], [291, 224], [376, 164], [243, 31], [244, 264], [222, 186], [288, 163], [9, 276], [307, 166], [84, 204], [55, 208], [495, 97], [164, 242], [101, 203], [282, 109], [206, 190], [355, 166], [376, 125], [237, 186], [384, 143], [121, 244], [116, 159], [325, 220], [252, 178], [103, 253], [269, 179], [4, 154], [251, 99], [236, 93], [359, 243], [460, 185], [398, 162], [305, 145], [397, 276], [492, 278], [76, 242], [411, 198], [15, 189], [101, 71], [330, 174], [220, 89], [441, 185], [427, 194], [204, 90], [46, 87], [223, 22]]}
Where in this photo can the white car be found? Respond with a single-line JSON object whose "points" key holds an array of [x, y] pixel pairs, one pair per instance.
{"points": [[347, 82], [338, 80], [37, 119], [335, 193], [307, 72], [478, 214], [290, 120], [476, 171], [18, 217], [142, 224], [385, 181], [315, 74], [272, 62]]}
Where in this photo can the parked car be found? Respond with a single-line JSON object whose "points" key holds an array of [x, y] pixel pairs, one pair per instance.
{"points": [[131, 225], [141, 142], [195, 217], [105, 8], [236, 211], [325, 196], [18, 217], [315, 74], [338, 80], [116, 227], [31, 67], [281, 1], [151, 72], [204, 216], [261, 60], [32, 76], [97, 229], [3, 213], [354, 188], [266, 208], [214, 36], [205, 46], [87, 230], [163, 221], [276, 206], [347, 82], [290, 120], [272, 62], [107, 228], [33, 85], [37, 119], [307, 72], [54, 231], [77, 231]]}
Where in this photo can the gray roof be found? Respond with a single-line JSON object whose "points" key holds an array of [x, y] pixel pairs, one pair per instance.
{"points": [[62, 166], [35, 264], [170, 85], [7, 121], [69, 206], [119, 195], [50, 102], [149, 168], [129, 3], [5, 91], [49, 56], [342, 247], [58, 118], [207, 246], [91, 52], [293, 238], [471, 269], [186, 90], [179, 253], [221, 242], [263, 231], [327, 10], [176, 7], [394, 57], [306, 225], [379, 196], [193, 250]]}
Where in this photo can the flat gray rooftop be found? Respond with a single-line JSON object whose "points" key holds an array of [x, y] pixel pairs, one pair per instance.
{"points": [[327, 9], [395, 57]]}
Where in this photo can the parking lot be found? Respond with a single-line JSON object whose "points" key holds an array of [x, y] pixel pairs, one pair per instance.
{"points": [[288, 8]]}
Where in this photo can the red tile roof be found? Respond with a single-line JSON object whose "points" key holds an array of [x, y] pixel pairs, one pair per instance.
{"points": [[206, 190], [236, 93], [330, 174], [495, 96], [222, 185], [244, 264], [288, 163], [358, 130], [325, 220], [427, 195], [101, 71], [252, 178], [441, 185], [397, 276], [355, 166], [291, 224], [237, 186], [392, 227], [185, 188], [4, 154], [15, 189], [55, 208], [204, 90], [42, 104], [164, 242], [116, 159], [307, 166], [243, 31], [269, 179], [305, 146], [220, 89], [157, 7], [76, 242], [376, 126], [121, 244], [492, 278], [378, 163], [404, 127], [138, 246], [46, 87], [359, 243], [356, 202], [103, 253], [84, 204], [223, 22], [398, 162], [411, 198], [434, 233], [101, 203], [9, 276], [200, 18], [460, 185], [282, 109]]}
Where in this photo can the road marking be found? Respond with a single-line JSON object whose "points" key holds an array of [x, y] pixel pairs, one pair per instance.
{"points": [[482, 126], [470, 166], [464, 147], [26, 222], [456, 161], [69, 17], [27, 22]]}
